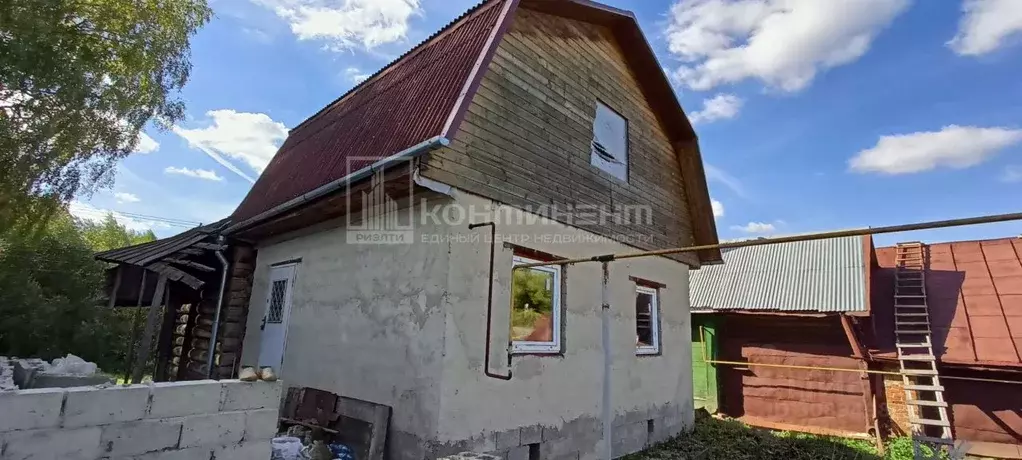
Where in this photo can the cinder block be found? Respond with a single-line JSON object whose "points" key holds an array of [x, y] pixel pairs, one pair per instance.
{"points": [[212, 429], [78, 444], [88, 406], [176, 399], [134, 438], [195, 453], [261, 424], [518, 453], [557, 448], [630, 417], [243, 451], [532, 434], [507, 439], [30, 409], [238, 395]]}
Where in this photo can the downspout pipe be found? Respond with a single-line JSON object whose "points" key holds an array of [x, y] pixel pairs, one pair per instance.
{"points": [[330, 187], [219, 306], [489, 307]]}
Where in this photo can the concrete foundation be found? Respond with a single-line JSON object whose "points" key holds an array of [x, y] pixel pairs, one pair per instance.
{"points": [[404, 325]]}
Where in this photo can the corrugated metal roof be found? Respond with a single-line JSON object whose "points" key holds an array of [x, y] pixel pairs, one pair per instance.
{"points": [[974, 294], [406, 103], [807, 276]]}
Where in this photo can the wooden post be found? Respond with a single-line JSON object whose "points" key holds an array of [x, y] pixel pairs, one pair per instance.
{"points": [[117, 287], [147, 334], [868, 396]]}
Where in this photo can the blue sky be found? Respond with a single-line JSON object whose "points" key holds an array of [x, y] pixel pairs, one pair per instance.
{"points": [[812, 115]]}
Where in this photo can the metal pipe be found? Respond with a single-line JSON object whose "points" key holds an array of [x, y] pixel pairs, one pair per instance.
{"points": [[791, 239], [489, 307], [211, 352], [605, 332], [410, 152]]}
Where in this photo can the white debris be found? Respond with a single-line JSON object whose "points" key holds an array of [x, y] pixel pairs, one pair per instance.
{"points": [[72, 365], [287, 448]]}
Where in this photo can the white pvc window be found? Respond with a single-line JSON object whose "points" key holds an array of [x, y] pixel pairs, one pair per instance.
{"points": [[647, 320], [536, 308], [610, 142]]}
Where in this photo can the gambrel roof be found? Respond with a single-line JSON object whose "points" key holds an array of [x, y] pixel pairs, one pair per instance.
{"points": [[419, 100]]}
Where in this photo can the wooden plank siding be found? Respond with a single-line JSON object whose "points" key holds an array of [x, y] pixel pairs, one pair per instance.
{"points": [[525, 139]]}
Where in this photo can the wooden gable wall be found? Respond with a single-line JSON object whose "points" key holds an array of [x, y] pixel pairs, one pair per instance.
{"points": [[525, 140]]}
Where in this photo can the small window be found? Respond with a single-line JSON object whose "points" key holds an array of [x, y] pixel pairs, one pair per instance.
{"points": [[610, 142], [536, 308], [647, 320]]}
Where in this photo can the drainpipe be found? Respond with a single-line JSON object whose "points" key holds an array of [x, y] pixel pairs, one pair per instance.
{"points": [[219, 306], [489, 306], [605, 331], [330, 187]]}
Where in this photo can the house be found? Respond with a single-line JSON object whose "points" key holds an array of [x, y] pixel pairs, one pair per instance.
{"points": [[773, 323], [386, 228], [974, 295], [786, 304]]}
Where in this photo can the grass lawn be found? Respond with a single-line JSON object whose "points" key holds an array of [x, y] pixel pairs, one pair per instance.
{"points": [[716, 439]]}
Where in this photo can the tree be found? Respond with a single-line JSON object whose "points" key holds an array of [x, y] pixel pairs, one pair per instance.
{"points": [[51, 292], [78, 81], [109, 234]]}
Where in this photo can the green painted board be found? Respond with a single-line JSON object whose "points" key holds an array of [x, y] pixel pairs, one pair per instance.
{"points": [[704, 375]]}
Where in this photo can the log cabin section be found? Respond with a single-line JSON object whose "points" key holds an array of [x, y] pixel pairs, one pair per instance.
{"points": [[526, 138]]}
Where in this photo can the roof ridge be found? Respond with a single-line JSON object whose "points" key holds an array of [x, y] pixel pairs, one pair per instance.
{"points": [[451, 26]]}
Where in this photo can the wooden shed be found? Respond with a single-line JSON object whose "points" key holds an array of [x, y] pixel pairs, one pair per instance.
{"points": [[791, 304]]}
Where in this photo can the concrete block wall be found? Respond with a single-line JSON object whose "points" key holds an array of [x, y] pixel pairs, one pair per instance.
{"points": [[196, 420]]}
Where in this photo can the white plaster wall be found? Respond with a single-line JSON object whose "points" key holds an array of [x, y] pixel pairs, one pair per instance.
{"points": [[366, 322], [555, 390]]}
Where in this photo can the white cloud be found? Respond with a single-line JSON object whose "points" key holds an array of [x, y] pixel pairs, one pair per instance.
{"points": [[355, 75], [252, 138], [1012, 174], [985, 25], [715, 174], [784, 43], [86, 211], [204, 174], [125, 197], [755, 227], [146, 144], [953, 147], [347, 24], [719, 107], [718, 208]]}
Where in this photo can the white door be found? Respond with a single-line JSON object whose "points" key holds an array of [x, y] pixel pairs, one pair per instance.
{"points": [[278, 309]]}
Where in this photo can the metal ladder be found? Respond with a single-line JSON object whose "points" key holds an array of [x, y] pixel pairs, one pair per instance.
{"points": [[924, 394]]}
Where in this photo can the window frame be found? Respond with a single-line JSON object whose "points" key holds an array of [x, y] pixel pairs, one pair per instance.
{"points": [[627, 143], [533, 347], [654, 316]]}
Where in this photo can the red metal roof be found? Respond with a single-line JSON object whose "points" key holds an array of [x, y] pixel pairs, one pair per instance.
{"points": [[407, 102], [974, 291]]}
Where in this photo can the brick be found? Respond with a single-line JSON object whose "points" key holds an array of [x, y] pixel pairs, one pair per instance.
{"points": [[88, 406], [30, 409], [78, 444], [239, 395], [133, 438], [507, 439], [243, 451], [532, 434], [211, 429], [176, 399], [260, 424]]}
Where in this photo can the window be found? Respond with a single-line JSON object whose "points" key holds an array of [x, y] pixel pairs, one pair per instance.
{"points": [[647, 320], [536, 308], [610, 142]]}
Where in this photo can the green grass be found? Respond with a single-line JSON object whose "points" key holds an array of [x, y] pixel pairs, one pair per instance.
{"points": [[714, 439]]}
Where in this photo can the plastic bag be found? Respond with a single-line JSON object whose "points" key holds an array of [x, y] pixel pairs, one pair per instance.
{"points": [[287, 448]]}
